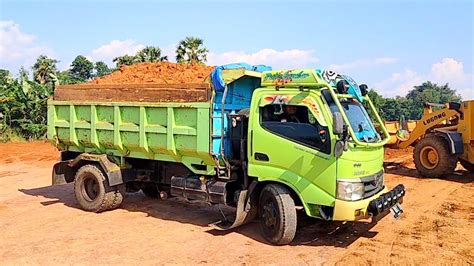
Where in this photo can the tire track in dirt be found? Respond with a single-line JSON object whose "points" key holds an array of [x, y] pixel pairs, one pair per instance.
{"points": [[43, 224], [424, 197]]}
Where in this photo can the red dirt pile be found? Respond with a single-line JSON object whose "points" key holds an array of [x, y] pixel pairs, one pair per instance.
{"points": [[162, 73]]}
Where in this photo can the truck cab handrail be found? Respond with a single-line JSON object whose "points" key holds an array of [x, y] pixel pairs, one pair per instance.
{"points": [[336, 98]]}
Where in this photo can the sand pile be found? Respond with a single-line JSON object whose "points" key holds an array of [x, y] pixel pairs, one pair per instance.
{"points": [[163, 73], [144, 82]]}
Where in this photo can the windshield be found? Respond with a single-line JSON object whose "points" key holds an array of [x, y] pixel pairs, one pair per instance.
{"points": [[359, 119]]}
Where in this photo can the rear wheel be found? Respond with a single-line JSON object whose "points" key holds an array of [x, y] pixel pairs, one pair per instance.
{"points": [[432, 157], [277, 214], [93, 192], [467, 165]]}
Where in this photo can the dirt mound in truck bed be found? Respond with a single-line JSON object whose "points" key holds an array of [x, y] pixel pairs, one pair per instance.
{"points": [[163, 73], [144, 82]]}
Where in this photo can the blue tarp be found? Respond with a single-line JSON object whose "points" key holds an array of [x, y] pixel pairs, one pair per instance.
{"points": [[216, 74]]}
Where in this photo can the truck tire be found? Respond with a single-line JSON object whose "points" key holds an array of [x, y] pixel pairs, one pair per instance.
{"points": [[93, 192], [277, 214], [119, 195], [432, 157], [467, 165]]}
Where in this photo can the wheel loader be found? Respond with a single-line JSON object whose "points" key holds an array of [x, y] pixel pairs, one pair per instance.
{"points": [[443, 136]]}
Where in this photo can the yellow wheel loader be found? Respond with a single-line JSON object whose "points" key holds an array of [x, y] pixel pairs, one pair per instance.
{"points": [[442, 137]]}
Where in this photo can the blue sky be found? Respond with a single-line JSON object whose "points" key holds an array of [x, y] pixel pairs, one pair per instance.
{"points": [[390, 45]]}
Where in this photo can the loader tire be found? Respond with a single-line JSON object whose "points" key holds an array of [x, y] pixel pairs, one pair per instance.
{"points": [[467, 165], [277, 214], [432, 157], [93, 192]]}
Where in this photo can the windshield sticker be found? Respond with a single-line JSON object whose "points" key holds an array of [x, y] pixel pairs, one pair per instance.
{"points": [[277, 99], [313, 106], [284, 77]]}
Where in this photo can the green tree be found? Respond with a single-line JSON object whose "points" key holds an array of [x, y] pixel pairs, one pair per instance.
{"points": [[191, 50], [376, 99], [392, 109], [23, 106], [65, 77], [124, 60], [44, 69], [102, 69], [81, 69], [150, 54], [429, 92], [23, 74]]}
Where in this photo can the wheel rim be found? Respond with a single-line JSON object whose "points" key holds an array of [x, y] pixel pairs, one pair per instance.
{"points": [[90, 189], [429, 157], [269, 216]]}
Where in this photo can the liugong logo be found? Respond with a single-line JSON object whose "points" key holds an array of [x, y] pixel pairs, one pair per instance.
{"points": [[434, 118]]}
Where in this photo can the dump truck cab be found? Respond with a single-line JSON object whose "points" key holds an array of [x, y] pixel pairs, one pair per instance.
{"points": [[320, 144]]}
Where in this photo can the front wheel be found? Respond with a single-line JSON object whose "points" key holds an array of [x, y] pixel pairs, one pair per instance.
{"points": [[277, 214], [433, 158]]}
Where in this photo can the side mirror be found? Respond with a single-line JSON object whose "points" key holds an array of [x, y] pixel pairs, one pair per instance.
{"points": [[364, 89], [338, 123], [339, 148], [342, 86]]}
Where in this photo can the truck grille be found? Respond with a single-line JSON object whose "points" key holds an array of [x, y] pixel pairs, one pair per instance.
{"points": [[373, 184]]}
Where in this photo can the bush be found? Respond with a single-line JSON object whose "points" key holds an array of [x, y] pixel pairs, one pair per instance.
{"points": [[23, 108]]}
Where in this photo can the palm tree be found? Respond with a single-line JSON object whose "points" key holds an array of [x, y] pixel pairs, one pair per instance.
{"points": [[150, 54], [191, 50], [44, 69], [124, 60]]}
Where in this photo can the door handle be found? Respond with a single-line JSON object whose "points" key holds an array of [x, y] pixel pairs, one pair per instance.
{"points": [[261, 157]]}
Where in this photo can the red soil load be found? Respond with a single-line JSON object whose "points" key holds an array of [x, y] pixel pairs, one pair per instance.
{"points": [[163, 73], [144, 82]]}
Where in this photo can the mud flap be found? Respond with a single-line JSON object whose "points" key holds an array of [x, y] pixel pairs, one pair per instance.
{"points": [[241, 216]]}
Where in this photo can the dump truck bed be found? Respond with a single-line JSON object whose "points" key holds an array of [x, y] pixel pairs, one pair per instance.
{"points": [[137, 121], [188, 92], [168, 122]]}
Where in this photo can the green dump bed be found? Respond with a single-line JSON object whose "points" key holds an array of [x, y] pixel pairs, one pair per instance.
{"points": [[167, 131]]}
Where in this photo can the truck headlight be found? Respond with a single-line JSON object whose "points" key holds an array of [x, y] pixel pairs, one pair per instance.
{"points": [[350, 190]]}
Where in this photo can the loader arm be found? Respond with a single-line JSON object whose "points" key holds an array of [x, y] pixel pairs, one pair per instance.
{"points": [[428, 121]]}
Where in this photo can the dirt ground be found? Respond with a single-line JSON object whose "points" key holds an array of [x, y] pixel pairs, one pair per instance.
{"points": [[41, 224]]}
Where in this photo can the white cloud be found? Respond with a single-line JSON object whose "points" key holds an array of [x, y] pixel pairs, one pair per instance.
{"points": [[399, 83], [363, 63], [18, 48], [170, 51], [109, 51], [448, 70], [293, 58]]}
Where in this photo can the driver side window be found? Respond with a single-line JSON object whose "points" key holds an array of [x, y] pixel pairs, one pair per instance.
{"points": [[296, 123]]}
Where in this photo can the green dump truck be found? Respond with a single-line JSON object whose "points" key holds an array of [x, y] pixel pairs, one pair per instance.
{"points": [[264, 143]]}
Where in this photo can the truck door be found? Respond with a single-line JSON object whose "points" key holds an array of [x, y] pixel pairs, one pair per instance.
{"points": [[290, 142]]}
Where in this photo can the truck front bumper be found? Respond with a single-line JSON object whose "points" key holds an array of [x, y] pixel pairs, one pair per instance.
{"points": [[371, 207]]}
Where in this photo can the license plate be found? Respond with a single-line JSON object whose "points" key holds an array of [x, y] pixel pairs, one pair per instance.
{"points": [[396, 210]]}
